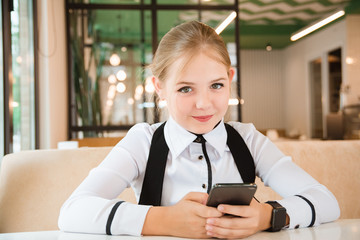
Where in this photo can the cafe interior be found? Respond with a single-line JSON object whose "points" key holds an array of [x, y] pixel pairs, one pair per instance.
{"points": [[74, 77]]}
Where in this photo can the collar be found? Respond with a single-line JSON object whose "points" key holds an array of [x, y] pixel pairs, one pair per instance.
{"points": [[178, 138]]}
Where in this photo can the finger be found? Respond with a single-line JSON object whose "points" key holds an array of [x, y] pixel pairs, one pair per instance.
{"points": [[227, 233], [197, 197], [208, 212], [232, 222], [241, 211]]}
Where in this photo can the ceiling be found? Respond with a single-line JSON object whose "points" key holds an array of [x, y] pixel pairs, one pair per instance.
{"points": [[261, 21], [274, 21]]}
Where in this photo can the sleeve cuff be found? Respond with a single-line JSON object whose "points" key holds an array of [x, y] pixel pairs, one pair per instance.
{"points": [[299, 212], [129, 219]]}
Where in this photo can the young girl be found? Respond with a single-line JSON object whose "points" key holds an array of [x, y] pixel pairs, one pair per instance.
{"points": [[189, 153]]}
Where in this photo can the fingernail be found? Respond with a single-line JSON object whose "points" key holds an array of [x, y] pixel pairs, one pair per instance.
{"points": [[221, 208], [209, 221], [208, 227]]}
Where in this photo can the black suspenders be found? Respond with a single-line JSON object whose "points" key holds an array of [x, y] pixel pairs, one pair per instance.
{"points": [[155, 168], [154, 174]]}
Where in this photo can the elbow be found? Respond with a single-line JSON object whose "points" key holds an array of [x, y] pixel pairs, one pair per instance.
{"points": [[65, 218], [332, 210], [337, 211], [62, 221]]}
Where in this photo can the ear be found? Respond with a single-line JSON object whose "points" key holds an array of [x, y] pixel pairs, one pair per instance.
{"points": [[231, 74], [159, 88]]}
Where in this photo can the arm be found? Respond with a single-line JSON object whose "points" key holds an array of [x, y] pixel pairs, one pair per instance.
{"points": [[287, 179], [89, 207]]}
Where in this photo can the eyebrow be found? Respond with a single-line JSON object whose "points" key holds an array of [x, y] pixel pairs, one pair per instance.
{"points": [[193, 83]]}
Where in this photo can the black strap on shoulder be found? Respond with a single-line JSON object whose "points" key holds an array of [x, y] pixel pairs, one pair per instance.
{"points": [[241, 154], [155, 168], [151, 191]]}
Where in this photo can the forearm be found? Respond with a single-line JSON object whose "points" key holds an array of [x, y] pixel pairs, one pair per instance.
{"points": [[324, 204], [91, 215]]}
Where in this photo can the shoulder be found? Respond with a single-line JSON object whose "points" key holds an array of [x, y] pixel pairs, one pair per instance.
{"points": [[246, 130], [139, 134], [254, 139]]}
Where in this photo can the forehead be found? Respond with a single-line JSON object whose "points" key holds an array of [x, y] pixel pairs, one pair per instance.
{"points": [[201, 64]]}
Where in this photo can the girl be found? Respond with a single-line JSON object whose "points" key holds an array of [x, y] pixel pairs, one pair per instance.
{"points": [[192, 73]]}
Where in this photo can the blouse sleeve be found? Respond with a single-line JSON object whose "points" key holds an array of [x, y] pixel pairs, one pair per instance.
{"points": [[93, 207], [306, 201]]}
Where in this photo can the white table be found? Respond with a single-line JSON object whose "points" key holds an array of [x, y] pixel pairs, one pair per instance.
{"points": [[346, 229]]}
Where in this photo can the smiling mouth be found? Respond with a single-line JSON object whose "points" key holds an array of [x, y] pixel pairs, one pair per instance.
{"points": [[203, 118]]}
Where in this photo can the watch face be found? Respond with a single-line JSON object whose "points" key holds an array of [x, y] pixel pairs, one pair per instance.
{"points": [[279, 218]]}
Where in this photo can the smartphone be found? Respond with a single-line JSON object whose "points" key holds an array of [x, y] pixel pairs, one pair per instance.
{"points": [[231, 193]]}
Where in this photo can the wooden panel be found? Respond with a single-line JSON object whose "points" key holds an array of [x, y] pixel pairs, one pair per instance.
{"points": [[98, 142]]}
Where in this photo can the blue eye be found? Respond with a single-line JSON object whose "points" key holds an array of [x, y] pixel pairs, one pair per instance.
{"points": [[185, 90], [217, 85]]}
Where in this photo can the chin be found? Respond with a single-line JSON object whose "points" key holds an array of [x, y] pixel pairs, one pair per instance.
{"points": [[202, 129]]}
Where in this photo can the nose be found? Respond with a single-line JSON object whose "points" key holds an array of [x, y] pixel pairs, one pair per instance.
{"points": [[203, 100]]}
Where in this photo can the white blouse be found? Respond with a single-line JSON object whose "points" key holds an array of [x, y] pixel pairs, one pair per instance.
{"points": [[88, 208]]}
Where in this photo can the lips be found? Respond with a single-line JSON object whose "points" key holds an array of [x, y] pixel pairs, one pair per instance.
{"points": [[203, 118]]}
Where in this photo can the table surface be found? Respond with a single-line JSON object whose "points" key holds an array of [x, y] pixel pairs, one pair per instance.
{"points": [[348, 229]]}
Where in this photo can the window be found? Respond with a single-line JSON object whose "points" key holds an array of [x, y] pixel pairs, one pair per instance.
{"points": [[18, 118], [110, 45]]}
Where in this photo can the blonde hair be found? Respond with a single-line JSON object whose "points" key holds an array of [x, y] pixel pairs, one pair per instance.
{"points": [[186, 40]]}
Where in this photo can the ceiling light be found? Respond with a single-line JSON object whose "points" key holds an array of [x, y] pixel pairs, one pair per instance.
{"points": [[114, 59], [226, 22], [111, 92], [130, 101], [109, 102], [233, 101], [149, 87], [139, 89], [162, 103], [112, 79], [316, 26], [350, 60], [268, 47], [14, 104], [121, 75], [120, 87]]}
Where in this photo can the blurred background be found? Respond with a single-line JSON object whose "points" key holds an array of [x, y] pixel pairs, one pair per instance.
{"points": [[76, 69]]}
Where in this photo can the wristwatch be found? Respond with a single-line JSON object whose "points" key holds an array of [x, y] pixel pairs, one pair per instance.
{"points": [[278, 217]]}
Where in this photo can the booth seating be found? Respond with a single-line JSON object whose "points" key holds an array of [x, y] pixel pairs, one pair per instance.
{"points": [[34, 184]]}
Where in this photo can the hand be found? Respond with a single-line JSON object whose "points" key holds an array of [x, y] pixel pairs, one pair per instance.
{"points": [[243, 221], [187, 218]]}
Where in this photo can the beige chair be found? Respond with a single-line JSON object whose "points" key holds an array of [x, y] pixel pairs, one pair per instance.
{"points": [[34, 184]]}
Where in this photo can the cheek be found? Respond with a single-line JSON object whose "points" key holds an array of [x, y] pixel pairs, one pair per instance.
{"points": [[178, 105], [222, 101], [183, 104]]}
